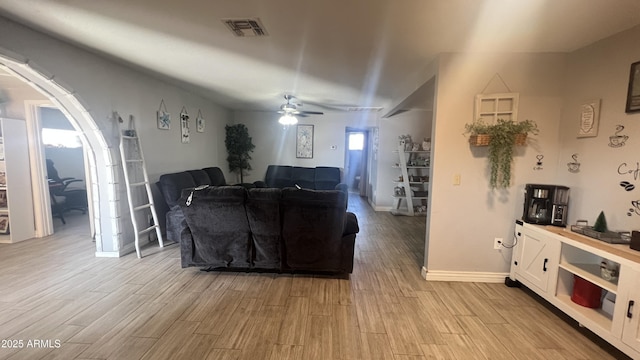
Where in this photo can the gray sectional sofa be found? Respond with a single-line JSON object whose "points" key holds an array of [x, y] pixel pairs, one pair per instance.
{"points": [[295, 220]]}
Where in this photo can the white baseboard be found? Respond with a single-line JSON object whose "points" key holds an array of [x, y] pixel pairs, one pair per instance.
{"points": [[107, 254], [127, 249], [382, 208], [463, 276]]}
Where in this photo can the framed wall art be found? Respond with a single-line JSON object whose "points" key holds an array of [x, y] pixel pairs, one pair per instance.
{"points": [[304, 142], [184, 126], [164, 118], [633, 93], [589, 118], [200, 122]]}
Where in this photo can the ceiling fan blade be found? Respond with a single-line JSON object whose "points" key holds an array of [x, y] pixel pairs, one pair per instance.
{"points": [[312, 112]]}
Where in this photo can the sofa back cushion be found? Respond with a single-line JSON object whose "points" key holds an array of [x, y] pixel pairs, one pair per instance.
{"points": [[171, 186], [327, 178], [200, 177], [219, 227], [304, 177], [312, 227], [215, 175], [279, 176], [263, 213]]}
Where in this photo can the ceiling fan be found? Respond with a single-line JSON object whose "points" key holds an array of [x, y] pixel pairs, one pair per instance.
{"points": [[290, 110]]}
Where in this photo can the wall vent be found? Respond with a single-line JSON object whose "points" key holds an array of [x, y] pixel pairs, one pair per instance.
{"points": [[246, 27]]}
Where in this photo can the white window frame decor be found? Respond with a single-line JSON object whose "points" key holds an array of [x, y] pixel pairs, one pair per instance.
{"points": [[491, 107]]}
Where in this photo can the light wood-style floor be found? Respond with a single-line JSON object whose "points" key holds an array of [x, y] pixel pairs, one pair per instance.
{"points": [[55, 290]]}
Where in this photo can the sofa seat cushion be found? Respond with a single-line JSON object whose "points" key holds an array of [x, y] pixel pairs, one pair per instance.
{"points": [[219, 227]]}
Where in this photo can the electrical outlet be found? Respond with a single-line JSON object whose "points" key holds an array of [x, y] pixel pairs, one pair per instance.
{"points": [[497, 243], [456, 179]]}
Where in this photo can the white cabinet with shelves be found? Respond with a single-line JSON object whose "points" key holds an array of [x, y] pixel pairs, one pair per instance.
{"points": [[410, 187], [16, 200], [534, 256], [629, 304], [580, 256]]}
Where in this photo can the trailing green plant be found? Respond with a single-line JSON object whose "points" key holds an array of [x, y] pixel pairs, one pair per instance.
{"points": [[503, 137], [239, 146]]}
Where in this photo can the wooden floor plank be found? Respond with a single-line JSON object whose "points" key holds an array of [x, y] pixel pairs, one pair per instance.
{"points": [[151, 308]]}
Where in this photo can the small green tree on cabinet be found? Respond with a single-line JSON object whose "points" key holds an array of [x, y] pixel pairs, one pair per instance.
{"points": [[601, 223], [239, 146]]}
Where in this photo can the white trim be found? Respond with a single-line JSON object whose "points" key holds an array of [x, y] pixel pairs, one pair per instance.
{"points": [[39, 185], [383, 208], [107, 254], [463, 276], [105, 206]]}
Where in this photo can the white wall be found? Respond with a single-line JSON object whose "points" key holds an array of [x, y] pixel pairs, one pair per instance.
{"points": [[416, 123], [276, 145], [465, 219], [103, 87], [601, 71]]}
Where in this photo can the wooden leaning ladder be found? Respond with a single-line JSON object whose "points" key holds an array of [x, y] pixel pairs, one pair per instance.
{"points": [[139, 193]]}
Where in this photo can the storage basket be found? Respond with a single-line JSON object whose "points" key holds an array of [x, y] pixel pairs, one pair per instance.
{"points": [[521, 139], [480, 140], [484, 139], [585, 293]]}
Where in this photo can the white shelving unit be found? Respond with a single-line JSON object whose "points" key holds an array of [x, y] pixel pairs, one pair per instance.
{"points": [[16, 200], [548, 259], [411, 186]]}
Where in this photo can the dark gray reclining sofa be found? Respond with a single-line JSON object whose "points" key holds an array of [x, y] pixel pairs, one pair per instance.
{"points": [[285, 230]]}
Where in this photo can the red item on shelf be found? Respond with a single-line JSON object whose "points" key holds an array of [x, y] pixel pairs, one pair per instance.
{"points": [[586, 293]]}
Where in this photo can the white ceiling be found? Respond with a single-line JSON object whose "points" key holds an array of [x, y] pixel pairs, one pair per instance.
{"points": [[329, 52]]}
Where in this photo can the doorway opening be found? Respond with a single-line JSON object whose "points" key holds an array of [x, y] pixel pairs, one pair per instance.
{"points": [[103, 204], [355, 162], [66, 170]]}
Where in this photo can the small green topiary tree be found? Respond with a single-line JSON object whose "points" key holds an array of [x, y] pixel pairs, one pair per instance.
{"points": [[601, 223], [239, 145]]}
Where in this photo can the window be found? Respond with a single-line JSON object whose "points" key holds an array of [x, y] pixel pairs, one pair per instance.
{"points": [[491, 107], [356, 141], [60, 138]]}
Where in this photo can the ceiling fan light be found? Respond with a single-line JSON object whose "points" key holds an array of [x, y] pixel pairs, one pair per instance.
{"points": [[288, 119]]}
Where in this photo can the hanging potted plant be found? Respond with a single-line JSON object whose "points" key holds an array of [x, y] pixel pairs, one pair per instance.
{"points": [[500, 137]]}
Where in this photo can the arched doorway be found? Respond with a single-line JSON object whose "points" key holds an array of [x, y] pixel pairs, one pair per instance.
{"points": [[101, 184]]}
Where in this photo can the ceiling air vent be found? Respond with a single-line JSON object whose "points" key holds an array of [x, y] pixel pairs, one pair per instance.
{"points": [[245, 27]]}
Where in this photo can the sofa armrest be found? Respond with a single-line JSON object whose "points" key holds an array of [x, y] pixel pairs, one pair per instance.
{"points": [[186, 247], [345, 189], [350, 224]]}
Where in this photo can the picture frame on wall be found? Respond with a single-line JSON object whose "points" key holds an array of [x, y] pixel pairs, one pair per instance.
{"points": [[184, 126], [304, 142], [589, 118], [633, 92], [164, 117]]}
